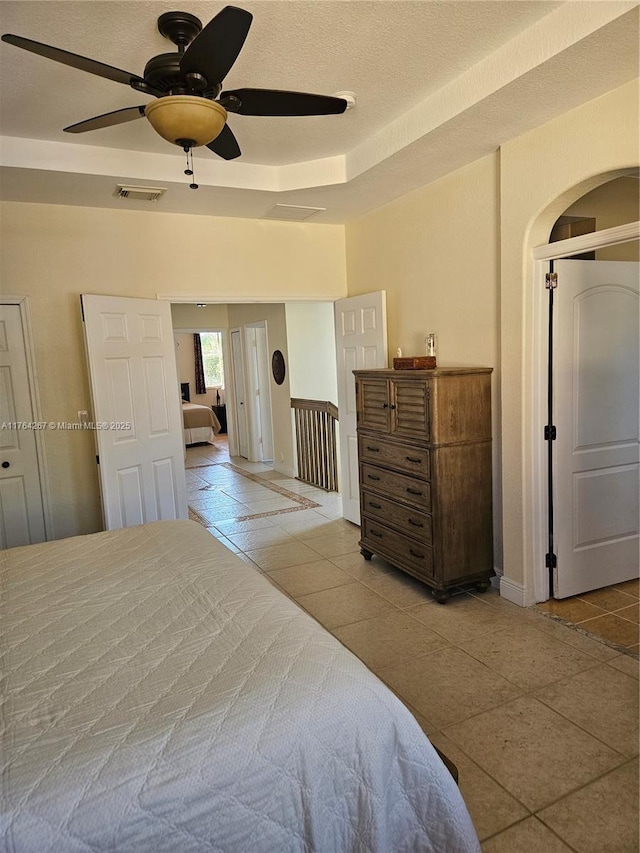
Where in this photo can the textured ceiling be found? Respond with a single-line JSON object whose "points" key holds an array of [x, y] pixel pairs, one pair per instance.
{"points": [[437, 84]]}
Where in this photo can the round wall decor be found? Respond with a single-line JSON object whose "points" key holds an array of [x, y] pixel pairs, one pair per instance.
{"points": [[277, 367]]}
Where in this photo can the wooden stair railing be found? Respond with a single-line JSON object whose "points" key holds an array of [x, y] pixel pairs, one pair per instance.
{"points": [[315, 422]]}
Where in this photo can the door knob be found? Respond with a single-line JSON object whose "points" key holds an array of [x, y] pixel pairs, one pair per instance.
{"points": [[6, 464]]}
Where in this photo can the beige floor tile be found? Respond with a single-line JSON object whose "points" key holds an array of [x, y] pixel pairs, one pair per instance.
{"points": [[268, 504], [631, 613], [572, 609], [529, 836], [310, 577], [527, 657], [602, 701], [399, 587], [628, 664], [463, 617], [631, 587], [343, 605], [608, 598], [359, 568], [491, 808], [448, 685], [281, 556], [389, 639], [334, 544], [311, 524], [612, 628], [575, 636], [533, 752], [601, 817], [262, 538]]}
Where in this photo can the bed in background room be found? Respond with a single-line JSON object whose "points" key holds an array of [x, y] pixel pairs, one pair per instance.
{"points": [[160, 695], [200, 423]]}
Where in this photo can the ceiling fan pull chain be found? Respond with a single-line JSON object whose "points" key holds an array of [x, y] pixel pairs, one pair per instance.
{"points": [[189, 169]]}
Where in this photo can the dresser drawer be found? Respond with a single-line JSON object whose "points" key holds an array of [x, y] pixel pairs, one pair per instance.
{"points": [[414, 460], [396, 546], [402, 486], [411, 521]]}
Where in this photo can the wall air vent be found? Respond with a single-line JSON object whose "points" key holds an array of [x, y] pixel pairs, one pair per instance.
{"points": [[292, 212], [139, 193]]}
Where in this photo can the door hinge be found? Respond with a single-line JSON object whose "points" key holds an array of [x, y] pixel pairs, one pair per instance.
{"points": [[550, 561], [550, 433], [551, 280], [97, 460]]}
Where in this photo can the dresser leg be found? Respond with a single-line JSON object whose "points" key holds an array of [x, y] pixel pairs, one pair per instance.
{"points": [[441, 595], [366, 554], [482, 586]]}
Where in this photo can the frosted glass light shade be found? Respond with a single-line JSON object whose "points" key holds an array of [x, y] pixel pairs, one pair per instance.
{"points": [[187, 118]]}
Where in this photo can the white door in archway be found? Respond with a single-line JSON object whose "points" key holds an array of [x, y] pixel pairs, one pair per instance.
{"points": [[596, 413]]}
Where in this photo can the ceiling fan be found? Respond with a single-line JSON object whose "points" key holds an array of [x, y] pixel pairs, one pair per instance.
{"points": [[191, 108]]}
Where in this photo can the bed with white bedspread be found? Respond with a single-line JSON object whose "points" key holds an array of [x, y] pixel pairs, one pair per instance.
{"points": [[160, 695]]}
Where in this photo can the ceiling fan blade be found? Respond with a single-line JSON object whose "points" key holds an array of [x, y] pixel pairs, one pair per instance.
{"points": [[225, 145], [216, 48], [73, 59], [106, 120], [274, 102]]}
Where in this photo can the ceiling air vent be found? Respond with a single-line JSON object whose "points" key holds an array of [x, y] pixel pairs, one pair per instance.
{"points": [[292, 212], [139, 193]]}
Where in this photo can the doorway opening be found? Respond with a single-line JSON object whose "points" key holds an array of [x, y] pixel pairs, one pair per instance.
{"points": [[615, 243]]}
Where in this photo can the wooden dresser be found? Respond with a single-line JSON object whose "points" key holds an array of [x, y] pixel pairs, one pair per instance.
{"points": [[424, 448]]}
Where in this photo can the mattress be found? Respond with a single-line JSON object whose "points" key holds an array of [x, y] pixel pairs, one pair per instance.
{"points": [[160, 695]]}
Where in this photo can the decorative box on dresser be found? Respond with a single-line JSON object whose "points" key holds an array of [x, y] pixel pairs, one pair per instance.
{"points": [[424, 448]]}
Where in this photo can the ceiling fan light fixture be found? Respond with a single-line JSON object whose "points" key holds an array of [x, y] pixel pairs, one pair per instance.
{"points": [[184, 119]]}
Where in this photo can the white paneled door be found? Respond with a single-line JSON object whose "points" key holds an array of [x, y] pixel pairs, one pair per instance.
{"points": [[136, 409], [596, 414], [361, 342], [21, 506]]}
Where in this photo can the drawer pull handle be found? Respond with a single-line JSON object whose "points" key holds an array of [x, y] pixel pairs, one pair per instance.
{"points": [[385, 405], [392, 406], [373, 449], [415, 523], [411, 458], [414, 492], [415, 554], [376, 506], [375, 533], [372, 477]]}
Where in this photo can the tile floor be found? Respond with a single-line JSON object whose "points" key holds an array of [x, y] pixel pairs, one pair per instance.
{"points": [[540, 718]]}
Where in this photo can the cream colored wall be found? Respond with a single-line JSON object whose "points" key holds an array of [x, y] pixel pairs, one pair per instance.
{"points": [[312, 351], [436, 253], [55, 253], [542, 173], [274, 316], [614, 203]]}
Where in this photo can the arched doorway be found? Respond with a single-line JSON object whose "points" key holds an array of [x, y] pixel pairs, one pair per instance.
{"points": [[614, 241]]}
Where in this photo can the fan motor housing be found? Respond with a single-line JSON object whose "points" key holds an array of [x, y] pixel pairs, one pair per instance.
{"points": [[163, 72]]}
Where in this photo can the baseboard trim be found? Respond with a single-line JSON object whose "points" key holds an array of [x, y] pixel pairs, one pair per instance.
{"points": [[512, 591]]}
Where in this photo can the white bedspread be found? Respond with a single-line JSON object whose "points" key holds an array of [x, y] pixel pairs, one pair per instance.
{"points": [[161, 696]]}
